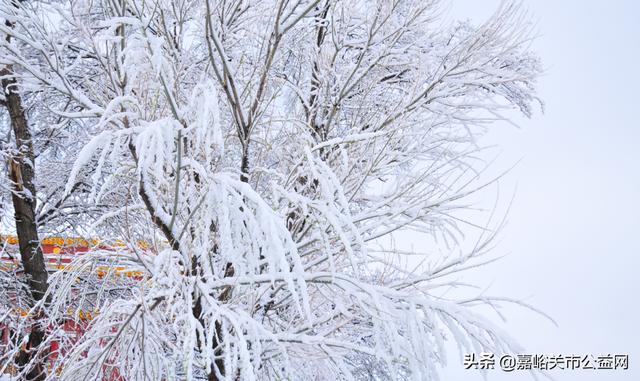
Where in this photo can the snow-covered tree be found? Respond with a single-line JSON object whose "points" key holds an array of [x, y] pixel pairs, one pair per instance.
{"points": [[267, 152]]}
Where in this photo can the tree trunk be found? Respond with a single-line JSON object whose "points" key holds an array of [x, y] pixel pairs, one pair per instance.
{"points": [[21, 174]]}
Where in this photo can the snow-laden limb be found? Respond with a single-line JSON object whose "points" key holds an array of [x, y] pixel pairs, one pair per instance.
{"points": [[269, 152]]}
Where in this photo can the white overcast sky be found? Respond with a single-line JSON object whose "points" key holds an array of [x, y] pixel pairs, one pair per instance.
{"points": [[573, 233]]}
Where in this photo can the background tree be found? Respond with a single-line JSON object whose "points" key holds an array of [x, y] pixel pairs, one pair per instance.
{"points": [[21, 171]]}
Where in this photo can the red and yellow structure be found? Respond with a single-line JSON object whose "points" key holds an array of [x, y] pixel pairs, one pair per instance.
{"points": [[59, 254]]}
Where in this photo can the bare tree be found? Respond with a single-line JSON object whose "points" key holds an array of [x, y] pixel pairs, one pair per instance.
{"points": [[21, 175], [270, 150]]}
